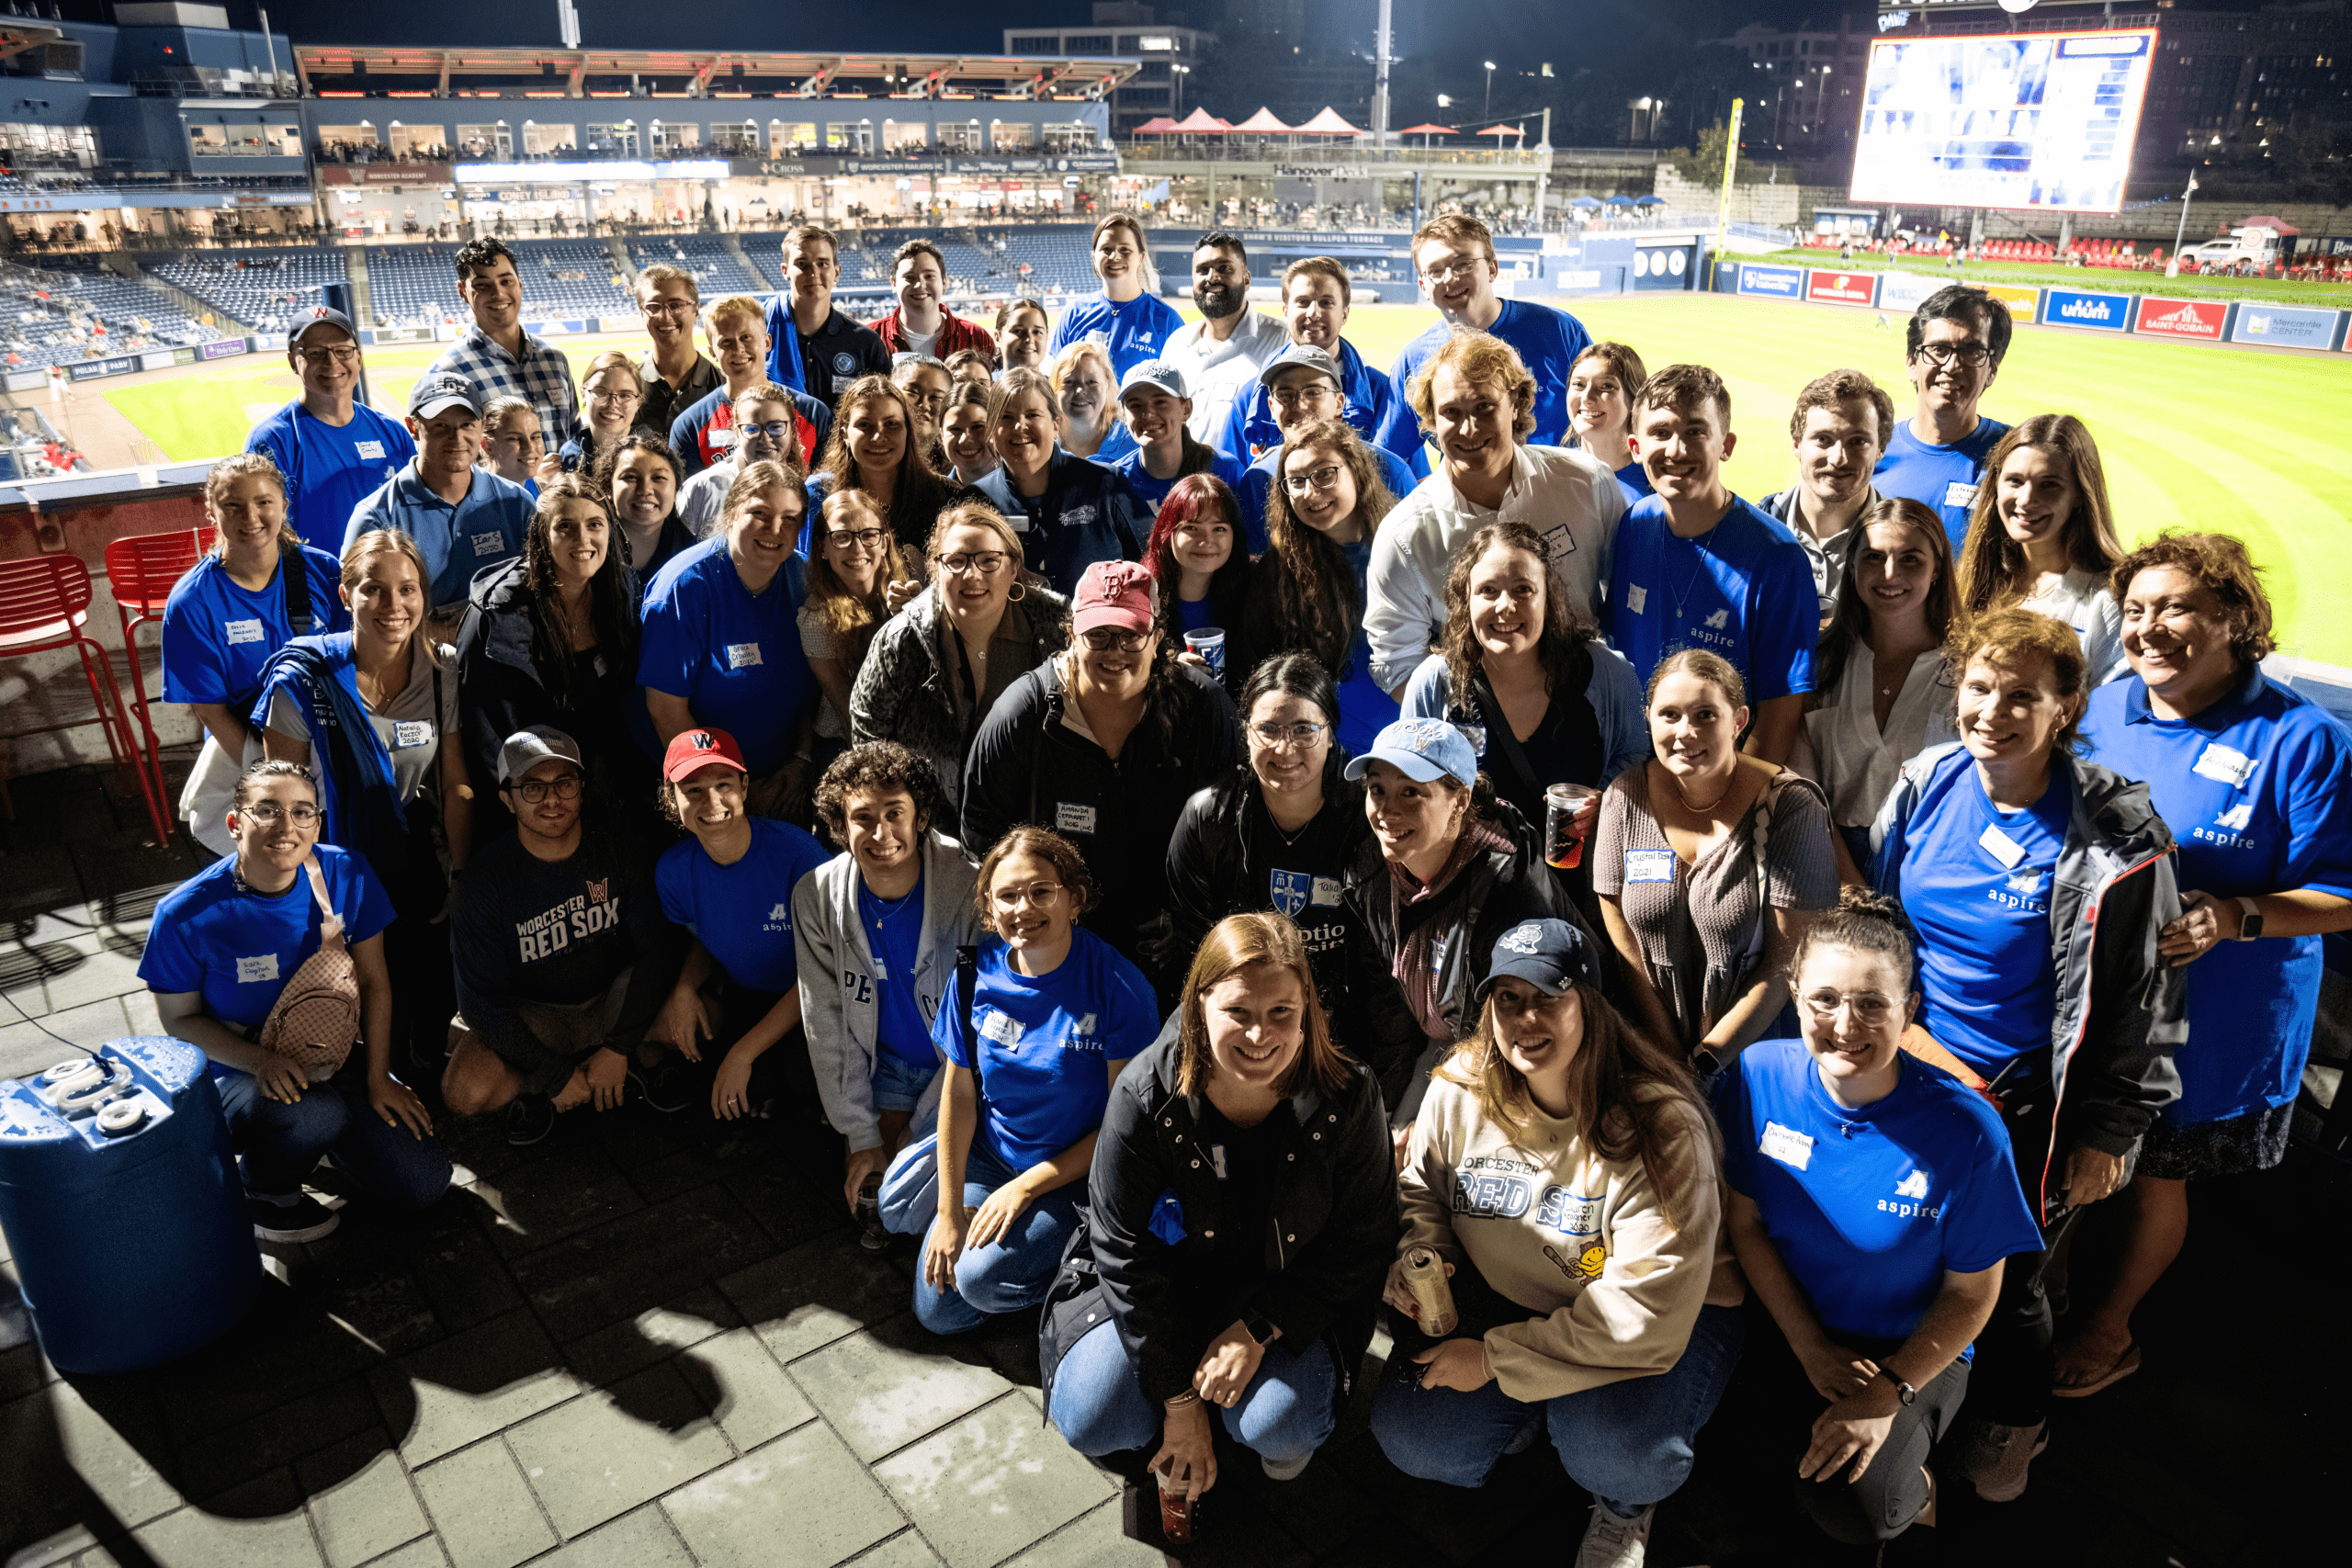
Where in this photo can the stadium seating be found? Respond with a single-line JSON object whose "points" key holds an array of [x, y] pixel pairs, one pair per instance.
{"points": [[262, 289], [75, 310], [417, 285], [413, 284], [717, 271]]}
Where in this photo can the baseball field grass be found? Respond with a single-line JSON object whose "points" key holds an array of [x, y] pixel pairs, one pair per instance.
{"points": [[2249, 442]]}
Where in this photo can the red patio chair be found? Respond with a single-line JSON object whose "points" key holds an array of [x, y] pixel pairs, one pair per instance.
{"points": [[44, 604], [143, 571]]}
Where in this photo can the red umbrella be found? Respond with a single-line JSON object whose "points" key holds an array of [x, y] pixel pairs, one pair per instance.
{"points": [[1426, 131], [1503, 131]]}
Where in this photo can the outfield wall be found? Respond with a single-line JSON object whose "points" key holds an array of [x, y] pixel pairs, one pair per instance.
{"points": [[2235, 322]]}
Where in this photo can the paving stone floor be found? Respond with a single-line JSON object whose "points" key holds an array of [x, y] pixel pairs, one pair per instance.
{"points": [[653, 1340]]}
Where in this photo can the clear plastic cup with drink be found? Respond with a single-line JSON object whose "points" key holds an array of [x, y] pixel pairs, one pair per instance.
{"points": [[1563, 829]]}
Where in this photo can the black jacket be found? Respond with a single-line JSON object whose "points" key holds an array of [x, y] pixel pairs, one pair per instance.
{"points": [[1331, 1232], [1223, 860]]}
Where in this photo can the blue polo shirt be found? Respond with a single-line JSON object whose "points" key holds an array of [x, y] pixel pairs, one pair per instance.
{"points": [[1372, 404], [734, 656], [1258, 483], [894, 940], [1153, 493], [1869, 1205], [1087, 513], [1139, 330], [1976, 885], [486, 528], [2258, 792], [1043, 1047], [1548, 340], [1733, 591], [330, 468], [239, 948], [218, 635], [1943, 477], [743, 913]]}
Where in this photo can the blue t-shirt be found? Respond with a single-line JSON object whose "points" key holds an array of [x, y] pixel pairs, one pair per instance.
{"points": [[1192, 615], [1635, 480], [1869, 1205], [1943, 477], [1258, 483], [734, 656], [1370, 403], [218, 635], [1043, 1047], [1130, 334], [743, 913], [330, 469], [1548, 340], [239, 948], [893, 939], [2258, 791], [1743, 589], [1154, 493], [485, 529], [1087, 513], [1364, 709], [1976, 885]]}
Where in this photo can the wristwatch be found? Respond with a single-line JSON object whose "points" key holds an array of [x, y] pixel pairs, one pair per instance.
{"points": [[2251, 924], [1259, 1327], [1902, 1391]]}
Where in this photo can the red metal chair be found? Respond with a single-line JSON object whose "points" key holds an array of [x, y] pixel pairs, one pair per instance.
{"points": [[142, 570], [44, 604]]}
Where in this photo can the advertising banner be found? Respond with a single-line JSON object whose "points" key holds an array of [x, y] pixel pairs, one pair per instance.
{"points": [[2206, 320], [1771, 282], [1904, 290], [2286, 327], [1841, 287], [91, 370], [399, 334], [2078, 308], [227, 348]]}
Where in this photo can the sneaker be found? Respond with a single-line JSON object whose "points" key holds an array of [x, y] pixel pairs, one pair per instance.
{"points": [[1995, 1457], [1612, 1542], [305, 1219], [529, 1118], [665, 1085], [871, 1234], [1285, 1470]]}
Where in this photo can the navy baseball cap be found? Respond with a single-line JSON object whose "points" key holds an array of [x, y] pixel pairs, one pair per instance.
{"points": [[315, 316], [1423, 750], [433, 393], [1307, 354], [1547, 955]]}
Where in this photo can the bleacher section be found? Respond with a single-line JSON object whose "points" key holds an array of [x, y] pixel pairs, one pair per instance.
{"points": [[417, 284], [983, 262], [264, 289], [54, 317], [717, 271], [412, 286]]}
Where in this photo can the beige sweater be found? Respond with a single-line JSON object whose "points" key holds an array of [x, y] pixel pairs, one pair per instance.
{"points": [[1581, 1242]]}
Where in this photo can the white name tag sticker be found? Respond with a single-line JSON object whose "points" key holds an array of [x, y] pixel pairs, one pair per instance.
{"points": [[719, 437], [242, 631], [1071, 817], [1959, 494], [262, 968], [489, 544], [371, 450], [1005, 1030], [2225, 764], [1649, 865], [1786, 1144], [2001, 847], [742, 655], [881, 971], [1635, 597], [1327, 891], [411, 732]]}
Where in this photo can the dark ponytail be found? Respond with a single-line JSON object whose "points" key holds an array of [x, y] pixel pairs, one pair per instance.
{"points": [[1866, 922]]}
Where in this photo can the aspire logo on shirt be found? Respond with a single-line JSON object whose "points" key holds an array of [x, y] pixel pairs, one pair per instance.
{"points": [[1910, 1200], [583, 914]]}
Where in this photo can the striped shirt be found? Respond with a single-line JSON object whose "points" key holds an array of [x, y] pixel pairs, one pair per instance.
{"points": [[542, 374]]}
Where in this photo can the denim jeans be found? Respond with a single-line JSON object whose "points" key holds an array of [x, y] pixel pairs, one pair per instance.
{"points": [[898, 1083], [1285, 1412], [278, 1144], [1010, 1273], [1628, 1442]]}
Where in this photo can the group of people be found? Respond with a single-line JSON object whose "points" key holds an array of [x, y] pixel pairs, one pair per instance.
{"points": [[1418, 825]]}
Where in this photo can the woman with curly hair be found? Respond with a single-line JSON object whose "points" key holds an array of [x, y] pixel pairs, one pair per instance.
{"points": [[858, 579], [877, 447]]}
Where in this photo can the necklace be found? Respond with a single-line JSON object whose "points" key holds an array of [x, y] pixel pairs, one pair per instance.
{"points": [[1690, 584], [1702, 811]]}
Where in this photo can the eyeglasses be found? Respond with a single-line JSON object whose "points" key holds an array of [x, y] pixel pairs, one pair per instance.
{"points": [[1104, 639], [987, 563], [774, 430], [672, 308], [865, 539], [563, 787], [625, 395], [320, 358], [1323, 477], [1972, 354], [1282, 736], [1871, 1007], [1041, 894], [1447, 271], [265, 813], [1315, 393]]}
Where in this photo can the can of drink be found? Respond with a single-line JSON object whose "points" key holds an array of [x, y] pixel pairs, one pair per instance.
{"points": [[1209, 643], [1432, 1297], [1175, 1511], [1563, 834]]}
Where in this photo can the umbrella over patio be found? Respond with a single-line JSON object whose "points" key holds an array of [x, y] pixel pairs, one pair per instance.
{"points": [[1263, 123], [1327, 123], [1200, 122], [1157, 125]]}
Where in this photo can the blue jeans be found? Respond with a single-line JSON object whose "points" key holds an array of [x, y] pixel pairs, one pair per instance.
{"points": [[1010, 1273], [898, 1083], [1285, 1412], [278, 1144], [1628, 1443]]}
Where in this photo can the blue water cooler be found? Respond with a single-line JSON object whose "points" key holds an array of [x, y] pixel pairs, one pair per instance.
{"points": [[123, 1208]]}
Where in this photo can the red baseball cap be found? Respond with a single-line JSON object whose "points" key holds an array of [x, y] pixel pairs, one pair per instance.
{"points": [[695, 749], [1113, 594]]}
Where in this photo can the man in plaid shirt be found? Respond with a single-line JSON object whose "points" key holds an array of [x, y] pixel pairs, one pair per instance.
{"points": [[496, 354]]}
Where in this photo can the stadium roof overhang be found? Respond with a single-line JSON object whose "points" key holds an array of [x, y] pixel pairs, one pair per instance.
{"points": [[717, 72], [17, 35]]}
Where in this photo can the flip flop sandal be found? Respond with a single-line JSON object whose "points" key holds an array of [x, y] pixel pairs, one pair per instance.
{"points": [[2123, 1367]]}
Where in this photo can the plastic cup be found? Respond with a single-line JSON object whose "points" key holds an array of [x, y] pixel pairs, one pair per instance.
{"points": [[1563, 834], [1209, 643]]}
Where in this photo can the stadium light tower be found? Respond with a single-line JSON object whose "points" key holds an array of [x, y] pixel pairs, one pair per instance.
{"points": [[1382, 40], [567, 21]]}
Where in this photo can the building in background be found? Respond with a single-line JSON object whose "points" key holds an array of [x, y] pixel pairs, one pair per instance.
{"points": [[1121, 30]]}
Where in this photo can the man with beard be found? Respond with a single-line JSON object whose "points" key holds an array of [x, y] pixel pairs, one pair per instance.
{"points": [[1839, 427], [1222, 353]]}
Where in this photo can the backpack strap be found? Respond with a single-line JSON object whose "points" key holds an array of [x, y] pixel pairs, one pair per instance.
{"points": [[294, 584], [330, 923], [966, 989]]}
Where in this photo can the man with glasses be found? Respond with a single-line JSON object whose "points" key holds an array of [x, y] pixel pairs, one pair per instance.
{"points": [[739, 341], [1222, 353], [1953, 345], [764, 430], [1454, 256], [677, 375], [563, 957], [1317, 298], [923, 324], [495, 353], [1304, 385], [462, 517], [331, 447], [812, 347]]}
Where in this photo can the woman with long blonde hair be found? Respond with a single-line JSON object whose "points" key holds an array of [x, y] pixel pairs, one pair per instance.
{"points": [[2042, 536]]}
